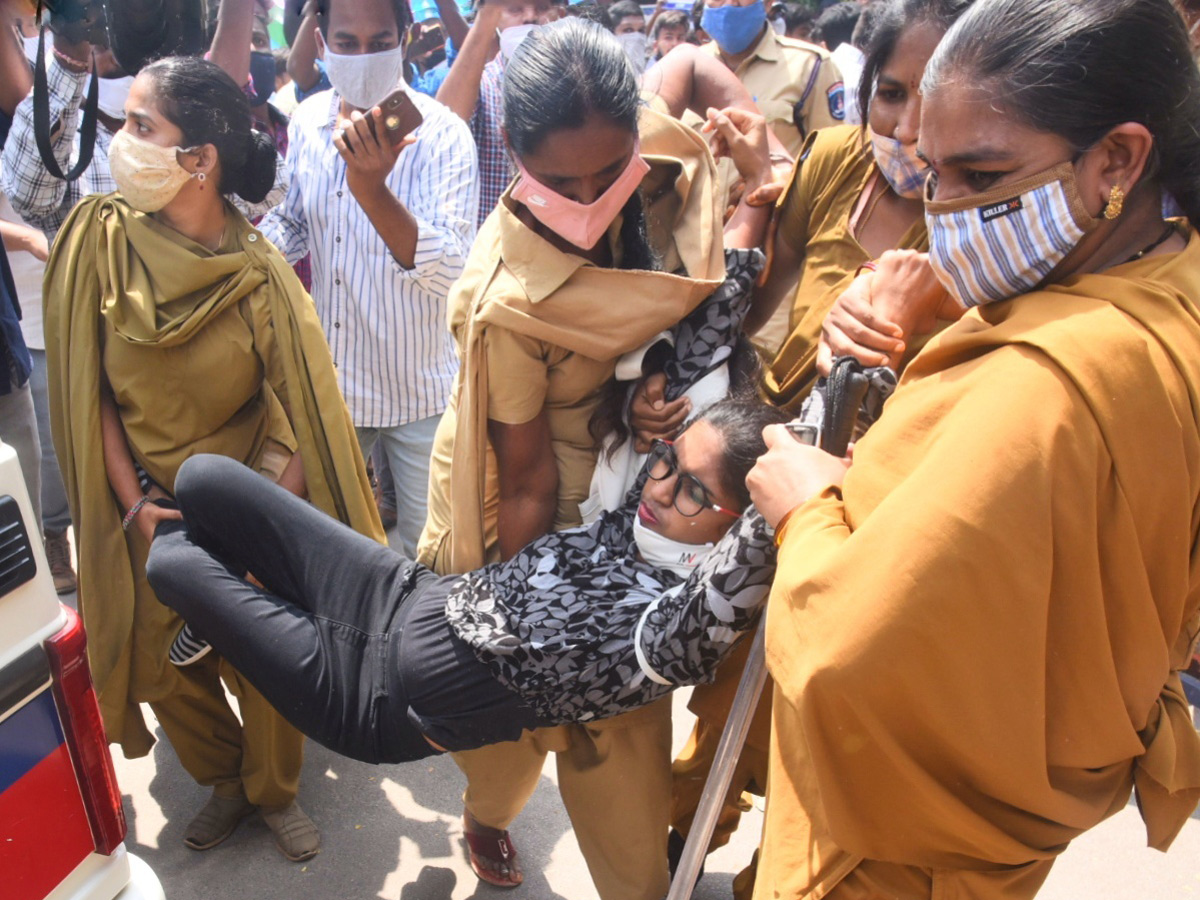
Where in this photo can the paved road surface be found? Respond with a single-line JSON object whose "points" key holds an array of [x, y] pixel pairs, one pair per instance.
{"points": [[393, 832]]}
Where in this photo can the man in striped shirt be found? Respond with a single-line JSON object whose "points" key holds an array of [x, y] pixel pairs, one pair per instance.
{"points": [[474, 87], [389, 230]]}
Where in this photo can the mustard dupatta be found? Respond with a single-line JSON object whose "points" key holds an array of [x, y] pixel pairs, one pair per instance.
{"points": [[599, 313], [157, 287], [980, 635]]}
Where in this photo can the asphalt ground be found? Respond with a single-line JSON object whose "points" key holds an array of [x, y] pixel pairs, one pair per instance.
{"points": [[395, 832]]}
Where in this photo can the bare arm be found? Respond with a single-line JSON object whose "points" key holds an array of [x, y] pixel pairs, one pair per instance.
{"points": [[395, 224], [292, 478], [528, 481], [742, 136], [369, 161], [302, 61], [18, 238], [453, 22], [16, 79], [786, 262], [688, 78], [118, 465], [231, 44], [460, 90]]}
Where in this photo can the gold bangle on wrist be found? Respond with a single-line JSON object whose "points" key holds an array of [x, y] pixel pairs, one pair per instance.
{"points": [[782, 523]]}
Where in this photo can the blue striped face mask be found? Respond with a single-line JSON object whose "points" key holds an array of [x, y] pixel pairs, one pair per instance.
{"points": [[1007, 241]]}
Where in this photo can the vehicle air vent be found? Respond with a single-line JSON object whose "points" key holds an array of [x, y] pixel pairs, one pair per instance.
{"points": [[17, 564]]}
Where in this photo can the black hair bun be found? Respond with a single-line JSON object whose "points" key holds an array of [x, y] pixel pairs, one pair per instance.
{"points": [[258, 175]]}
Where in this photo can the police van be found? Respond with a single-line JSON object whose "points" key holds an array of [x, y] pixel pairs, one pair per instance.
{"points": [[62, 828]]}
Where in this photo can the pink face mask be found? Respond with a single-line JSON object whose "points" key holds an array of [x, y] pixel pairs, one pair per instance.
{"points": [[581, 224]]}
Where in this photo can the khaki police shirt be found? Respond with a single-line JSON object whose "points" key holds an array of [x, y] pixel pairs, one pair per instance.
{"points": [[782, 72]]}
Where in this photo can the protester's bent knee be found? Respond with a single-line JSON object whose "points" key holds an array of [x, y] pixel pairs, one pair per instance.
{"points": [[205, 476], [166, 569]]}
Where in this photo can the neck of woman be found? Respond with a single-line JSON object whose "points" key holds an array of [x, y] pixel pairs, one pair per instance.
{"points": [[1139, 227], [197, 215], [600, 256]]}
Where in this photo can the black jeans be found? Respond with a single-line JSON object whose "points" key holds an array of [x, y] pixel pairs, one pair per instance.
{"points": [[347, 638]]}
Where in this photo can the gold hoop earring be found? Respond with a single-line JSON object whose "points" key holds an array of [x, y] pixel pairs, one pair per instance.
{"points": [[1116, 202]]}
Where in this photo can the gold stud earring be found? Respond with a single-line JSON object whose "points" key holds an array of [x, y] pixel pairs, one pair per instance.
{"points": [[1116, 202]]}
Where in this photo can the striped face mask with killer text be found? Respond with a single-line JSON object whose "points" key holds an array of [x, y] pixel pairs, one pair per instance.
{"points": [[1008, 240]]}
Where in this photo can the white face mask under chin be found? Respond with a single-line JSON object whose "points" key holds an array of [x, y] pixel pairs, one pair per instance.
{"points": [[364, 79], [664, 553]]}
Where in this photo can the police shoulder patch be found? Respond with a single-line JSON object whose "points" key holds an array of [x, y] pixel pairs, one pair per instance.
{"points": [[837, 101]]}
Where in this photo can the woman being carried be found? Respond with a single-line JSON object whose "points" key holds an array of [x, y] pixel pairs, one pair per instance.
{"points": [[610, 235], [378, 658]]}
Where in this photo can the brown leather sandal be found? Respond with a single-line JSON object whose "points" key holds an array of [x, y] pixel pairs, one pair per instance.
{"points": [[494, 846]]}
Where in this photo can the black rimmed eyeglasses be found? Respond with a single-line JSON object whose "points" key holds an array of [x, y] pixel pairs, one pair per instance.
{"points": [[690, 497]]}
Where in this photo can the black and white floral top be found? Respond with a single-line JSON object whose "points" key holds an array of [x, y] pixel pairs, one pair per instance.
{"points": [[582, 629], [557, 623]]}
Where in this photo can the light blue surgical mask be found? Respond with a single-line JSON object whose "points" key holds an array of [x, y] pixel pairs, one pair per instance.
{"points": [[734, 28]]}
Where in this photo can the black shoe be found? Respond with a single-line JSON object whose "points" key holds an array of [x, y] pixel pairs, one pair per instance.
{"points": [[187, 648]]}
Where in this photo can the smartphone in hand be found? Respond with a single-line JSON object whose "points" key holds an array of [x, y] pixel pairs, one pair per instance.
{"points": [[400, 116]]}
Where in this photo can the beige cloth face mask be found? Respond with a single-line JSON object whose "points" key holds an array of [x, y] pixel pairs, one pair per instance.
{"points": [[147, 175]]}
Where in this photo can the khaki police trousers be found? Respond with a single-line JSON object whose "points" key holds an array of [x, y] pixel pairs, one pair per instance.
{"points": [[261, 757], [615, 780]]}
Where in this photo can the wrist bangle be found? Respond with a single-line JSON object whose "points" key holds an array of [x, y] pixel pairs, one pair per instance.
{"points": [[69, 60], [782, 523], [133, 511], [868, 266]]}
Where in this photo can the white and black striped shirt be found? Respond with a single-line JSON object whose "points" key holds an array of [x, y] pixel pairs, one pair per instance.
{"points": [[386, 325]]}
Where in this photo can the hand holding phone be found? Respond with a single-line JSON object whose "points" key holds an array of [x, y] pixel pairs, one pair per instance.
{"points": [[371, 143], [400, 116]]}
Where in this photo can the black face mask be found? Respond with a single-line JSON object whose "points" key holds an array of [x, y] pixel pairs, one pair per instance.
{"points": [[262, 74]]}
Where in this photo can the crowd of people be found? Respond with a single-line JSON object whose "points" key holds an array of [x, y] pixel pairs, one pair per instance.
{"points": [[424, 384]]}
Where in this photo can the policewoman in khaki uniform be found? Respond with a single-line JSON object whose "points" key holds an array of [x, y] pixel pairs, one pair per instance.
{"points": [[976, 631], [174, 328], [611, 233], [854, 193]]}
